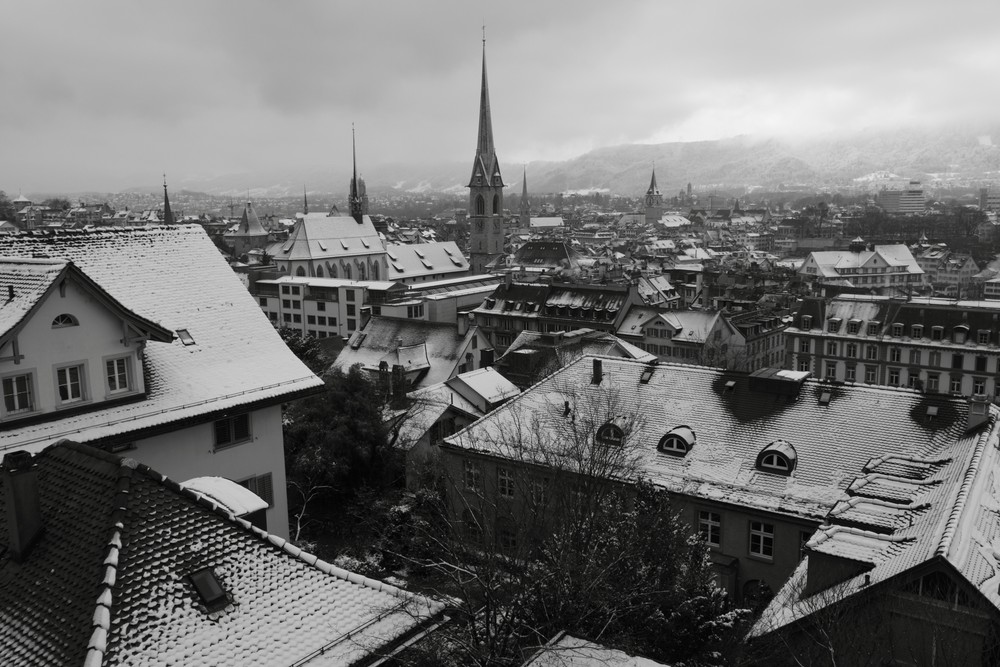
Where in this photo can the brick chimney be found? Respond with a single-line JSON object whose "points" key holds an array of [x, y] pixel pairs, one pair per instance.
{"points": [[24, 513]]}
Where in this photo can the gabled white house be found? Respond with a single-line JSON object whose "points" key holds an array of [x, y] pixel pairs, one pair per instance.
{"points": [[143, 341]]}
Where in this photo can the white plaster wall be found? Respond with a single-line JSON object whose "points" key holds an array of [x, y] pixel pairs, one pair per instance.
{"points": [[190, 452]]}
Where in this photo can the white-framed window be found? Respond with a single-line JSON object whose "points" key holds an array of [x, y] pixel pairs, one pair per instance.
{"points": [[831, 370], [895, 354], [955, 386], [710, 527], [894, 376], [978, 385], [505, 483], [70, 384], [804, 365], [831, 347], [915, 357], [852, 350], [117, 371], [64, 320], [233, 431], [983, 337], [870, 374], [473, 475], [775, 461], [871, 352], [761, 539], [18, 393], [897, 329], [850, 374], [933, 380], [804, 345]]}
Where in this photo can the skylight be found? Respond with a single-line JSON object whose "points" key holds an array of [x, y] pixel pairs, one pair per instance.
{"points": [[185, 337], [209, 589]]}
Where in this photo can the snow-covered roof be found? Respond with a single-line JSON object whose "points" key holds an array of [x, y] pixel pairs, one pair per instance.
{"points": [[424, 259], [318, 236], [109, 581], [568, 651], [734, 423], [175, 277]]}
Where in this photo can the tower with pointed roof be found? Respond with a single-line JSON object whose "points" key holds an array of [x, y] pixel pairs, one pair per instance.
{"points": [[525, 208], [485, 190], [168, 215], [305, 202], [654, 201], [358, 200]]}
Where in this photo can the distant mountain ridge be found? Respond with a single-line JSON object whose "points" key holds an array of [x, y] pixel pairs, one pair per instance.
{"points": [[969, 155]]}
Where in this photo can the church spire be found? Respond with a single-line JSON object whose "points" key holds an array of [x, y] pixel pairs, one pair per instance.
{"points": [[525, 208], [357, 212], [485, 144], [653, 190], [168, 215], [305, 202]]}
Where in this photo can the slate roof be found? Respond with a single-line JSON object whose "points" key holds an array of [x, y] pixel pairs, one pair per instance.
{"points": [[580, 303], [732, 423], [417, 345], [174, 277], [688, 326], [830, 263], [107, 582], [319, 236], [249, 225]]}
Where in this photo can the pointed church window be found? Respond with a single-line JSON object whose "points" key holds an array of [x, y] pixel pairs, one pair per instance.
{"points": [[496, 204], [480, 205]]}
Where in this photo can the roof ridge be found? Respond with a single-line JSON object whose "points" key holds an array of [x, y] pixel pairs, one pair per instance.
{"points": [[101, 620], [962, 495]]}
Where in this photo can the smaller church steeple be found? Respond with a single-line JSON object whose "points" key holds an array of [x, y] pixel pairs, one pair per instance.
{"points": [[525, 208], [168, 215], [653, 190], [654, 201], [305, 202], [357, 211]]}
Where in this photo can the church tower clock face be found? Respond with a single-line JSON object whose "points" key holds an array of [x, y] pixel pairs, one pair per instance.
{"points": [[649, 200], [479, 225], [496, 225]]}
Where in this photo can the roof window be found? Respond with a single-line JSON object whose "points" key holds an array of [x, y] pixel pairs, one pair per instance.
{"points": [[778, 457], [185, 337], [678, 441], [209, 589]]}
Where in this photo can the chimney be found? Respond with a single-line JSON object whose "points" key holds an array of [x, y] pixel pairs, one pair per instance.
{"points": [[508, 279], [979, 412], [24, 513], [598, 372]]}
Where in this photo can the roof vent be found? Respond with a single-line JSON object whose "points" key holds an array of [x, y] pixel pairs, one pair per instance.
{"points": [[598, 374], [647, 374], [824, 398], [932, 411], [730, 386]]}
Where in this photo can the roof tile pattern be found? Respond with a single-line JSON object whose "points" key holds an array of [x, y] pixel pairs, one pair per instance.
{"points": [[173, 276], [107, 582], [22, 282]]}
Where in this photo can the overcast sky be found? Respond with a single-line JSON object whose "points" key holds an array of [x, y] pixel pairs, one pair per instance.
{"points": [[104, 95]]}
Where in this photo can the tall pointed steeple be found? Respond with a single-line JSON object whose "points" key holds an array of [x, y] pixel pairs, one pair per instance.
{"points": [[654, 201], [357, 211], [168, 215], [305, 202], [525, 208], [653, 190], [486, 234]]}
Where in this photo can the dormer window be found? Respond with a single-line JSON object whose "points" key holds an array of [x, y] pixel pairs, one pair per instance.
{"points": [[807, 321], [917, 331], [959, 334], [678, 441], [611, 434], [897, 329], [853, 326], [937, 333], [833, 325], [778, 457], [873, 328], [64, 320]]}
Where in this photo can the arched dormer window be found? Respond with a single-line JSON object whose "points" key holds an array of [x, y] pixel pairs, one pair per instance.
{"points": [[496, 204], [300, 271], [611, 433], [778, 457], [480, 205], [319, 271], [678, 441], [64, 320]]}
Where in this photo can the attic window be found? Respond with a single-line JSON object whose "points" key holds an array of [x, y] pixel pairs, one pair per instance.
{"points": [[210, 590], [824, 398], [647, 374], [185, 337], [833, 324], [64, 320], [932, 411], [807, 321], [611, 434], [778, 457], [873, 328], [677, 441]]}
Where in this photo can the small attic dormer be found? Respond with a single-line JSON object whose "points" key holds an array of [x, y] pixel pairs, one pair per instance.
{"points": [[66, 345]]}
